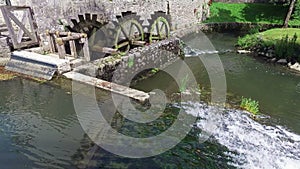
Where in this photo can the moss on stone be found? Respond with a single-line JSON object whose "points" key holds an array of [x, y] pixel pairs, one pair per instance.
{"points": [[4, 77]]}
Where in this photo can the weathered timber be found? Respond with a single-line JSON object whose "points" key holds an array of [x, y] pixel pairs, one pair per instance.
{"points": [[112, 87], [104, 49], [36, 65], [25, 26], [139, 43]]}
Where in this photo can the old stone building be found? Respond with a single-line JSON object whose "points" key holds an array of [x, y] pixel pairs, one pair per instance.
{"points": [[49, 12]]}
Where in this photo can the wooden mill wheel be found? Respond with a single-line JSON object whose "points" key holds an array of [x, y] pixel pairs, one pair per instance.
{"points": [[159, 26], [129, 32]]}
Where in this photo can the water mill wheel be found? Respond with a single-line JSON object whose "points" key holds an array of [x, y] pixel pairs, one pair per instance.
{"points": [[93, 26], [159, 28], [129, 32], [121, 35]]}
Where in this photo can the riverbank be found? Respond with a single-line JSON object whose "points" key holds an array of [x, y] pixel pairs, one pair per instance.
{"points": [[279, 45]]}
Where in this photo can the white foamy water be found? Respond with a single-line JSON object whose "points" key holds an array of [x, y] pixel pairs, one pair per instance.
{"points": [[189, 52], [258, 146]]}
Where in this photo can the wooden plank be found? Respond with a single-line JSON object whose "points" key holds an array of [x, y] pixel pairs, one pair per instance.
{"points": [[51, 43], [60, 45], [86, 49], [26, 44], [73, 37], [104, 50], [20, 25], [9, 26], [33, 25], [112, 87], [61, 51], [67, 33], [21, 32], [73, 49], [139, 43]]}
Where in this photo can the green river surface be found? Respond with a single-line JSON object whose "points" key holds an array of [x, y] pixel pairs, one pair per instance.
{"points": [[39, 126]]}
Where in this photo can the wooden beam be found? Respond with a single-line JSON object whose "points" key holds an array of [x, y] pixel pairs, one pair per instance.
{"points": [[86, 49], [60, 45], [104, 49], [73, 37], [50, 39], [21, 32], [9, 26], [73, 49], [20, 25], [139, 43], [112, 87]]}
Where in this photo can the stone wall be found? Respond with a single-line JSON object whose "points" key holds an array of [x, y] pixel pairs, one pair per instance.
{"points": [[48, 12], [157, 55]]}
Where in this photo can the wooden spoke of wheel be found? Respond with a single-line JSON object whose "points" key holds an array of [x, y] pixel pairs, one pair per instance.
{"points": [[123, 43], [160, 29]]}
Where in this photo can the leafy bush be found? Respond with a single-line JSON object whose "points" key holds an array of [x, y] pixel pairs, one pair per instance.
{"points": [[248, 41], [296, 13], [286, 48], [250, 105], [255, 30]]}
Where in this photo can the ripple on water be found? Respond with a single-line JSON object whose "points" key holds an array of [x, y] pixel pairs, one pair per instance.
{"points": [[39, 123]]}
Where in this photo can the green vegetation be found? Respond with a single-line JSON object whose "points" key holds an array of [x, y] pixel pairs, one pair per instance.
{"points": [[4, 77], [250, 105], [286, 48], [130, 62], [155, 70], [296, 13], [250, 12], [285, 42], [278, 33], [249, 41], [183, 85]]}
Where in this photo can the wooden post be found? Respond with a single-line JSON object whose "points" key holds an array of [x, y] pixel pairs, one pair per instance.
{"points": [[51, 41], [86, 50], [61, 48], [73, 48]]}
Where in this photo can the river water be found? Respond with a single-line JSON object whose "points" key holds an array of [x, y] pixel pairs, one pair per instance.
{"points": [[39, 127]]}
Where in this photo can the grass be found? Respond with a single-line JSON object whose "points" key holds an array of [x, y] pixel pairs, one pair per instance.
{"points": [[285, 42], [276, 34], [250, 105], [249, 12], [268, 38]]}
